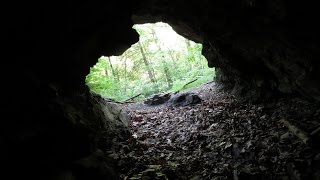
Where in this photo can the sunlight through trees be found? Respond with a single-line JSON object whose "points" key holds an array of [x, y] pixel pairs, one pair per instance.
{"points": [[162, 61]]}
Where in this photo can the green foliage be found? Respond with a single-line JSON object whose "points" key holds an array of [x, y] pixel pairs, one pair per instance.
{"points": [[161, 62]]}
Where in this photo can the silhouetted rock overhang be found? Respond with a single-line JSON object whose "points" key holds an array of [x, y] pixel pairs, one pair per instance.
{"points": [[259, 48]]}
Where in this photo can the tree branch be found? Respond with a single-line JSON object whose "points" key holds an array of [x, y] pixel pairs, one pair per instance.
{"points": [[132, 97], [189, 83]]}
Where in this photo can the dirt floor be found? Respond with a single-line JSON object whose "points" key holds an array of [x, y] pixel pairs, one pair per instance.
{"points": [[222, 138]]}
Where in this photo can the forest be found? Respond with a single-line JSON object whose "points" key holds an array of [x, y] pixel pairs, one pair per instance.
{"points": [[161, 61]]}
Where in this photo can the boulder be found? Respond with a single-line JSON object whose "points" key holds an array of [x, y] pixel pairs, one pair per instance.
{"points": [[184, 99], [158, 99]]}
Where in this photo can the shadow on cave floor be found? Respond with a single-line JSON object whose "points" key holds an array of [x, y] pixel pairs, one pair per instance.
{"points": [[222, 138]]}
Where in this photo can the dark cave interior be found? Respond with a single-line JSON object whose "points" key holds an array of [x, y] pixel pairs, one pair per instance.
{"points": [[262, 51]]}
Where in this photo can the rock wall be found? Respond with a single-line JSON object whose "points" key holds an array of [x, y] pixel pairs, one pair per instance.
{"points": [[49, 124], [260, 49]]}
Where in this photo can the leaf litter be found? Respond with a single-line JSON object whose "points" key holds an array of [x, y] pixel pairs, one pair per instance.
{"points": [[220, 138]]}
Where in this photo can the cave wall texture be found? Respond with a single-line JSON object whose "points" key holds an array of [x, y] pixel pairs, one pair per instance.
{"points": [[259, 48]]}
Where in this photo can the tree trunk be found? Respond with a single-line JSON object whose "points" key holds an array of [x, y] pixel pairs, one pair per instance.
{"points": [[164, 63], [147, 64], [125, 74], [188, 43], [168, 76], [174, 60], [106, 72], [114, 74]]}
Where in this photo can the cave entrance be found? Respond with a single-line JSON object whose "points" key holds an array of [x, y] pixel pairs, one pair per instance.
{"points": [[162, 61]]}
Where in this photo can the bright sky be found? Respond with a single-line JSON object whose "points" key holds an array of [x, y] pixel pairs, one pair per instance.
{"points": [[166, 35]]}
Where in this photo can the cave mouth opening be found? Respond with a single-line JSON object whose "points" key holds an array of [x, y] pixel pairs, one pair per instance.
{"points": [[160, 62]]}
